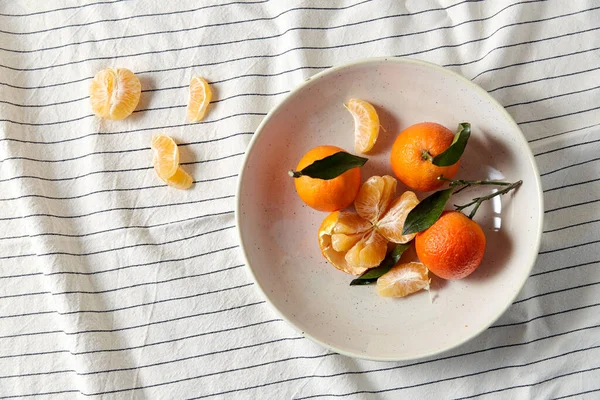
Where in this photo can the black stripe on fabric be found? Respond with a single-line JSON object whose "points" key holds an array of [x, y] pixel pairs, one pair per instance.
{"points": [[576, 394], [571, 185], [539, 382], [570, 166], [135, 17], [111, 151], [40, 394], [10, 296], [152, 128], [546, 316], [126, 328], [384, 38], [138, 130], [91, 253], [567, 147], [385, 368], [110, 171], [562, 133], [546, 78], [209, 374], [285, 339], [196, 335], [151, 303], [128, 208], [572, 226], [569, 247], [21, 275], [39, 353], [571, 205], [103, 271], [565, 268], [529, 62], [136, 285], [556, 291], [527, 364], [140, 346], [43, 105], [61, 9], [558, 116], [112, 230], [552, 97]]}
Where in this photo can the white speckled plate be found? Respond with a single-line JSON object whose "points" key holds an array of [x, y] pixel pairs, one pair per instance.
{"points": [[278, 232]]}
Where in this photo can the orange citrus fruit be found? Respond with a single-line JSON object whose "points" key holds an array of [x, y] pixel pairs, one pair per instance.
{"points": [[114, 93], [165, 156], [355, 242], [200, 97], [411, 153], [403, 279], [453, 247], [366, 124], [326, 195]]}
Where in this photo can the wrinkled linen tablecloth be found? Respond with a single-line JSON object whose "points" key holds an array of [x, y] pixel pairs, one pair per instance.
{"points": [[112, 285]]}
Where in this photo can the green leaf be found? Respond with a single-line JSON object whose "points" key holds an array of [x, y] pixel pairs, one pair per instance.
{"points": [[331, 166], [426, 212], [371, 275], [453, 153]]}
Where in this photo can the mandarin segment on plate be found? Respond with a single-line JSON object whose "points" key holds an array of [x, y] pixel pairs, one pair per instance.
{"points": [[200, 96], [114, 93], [366, 124], [355, 242], [326, 233], [403, 279]]}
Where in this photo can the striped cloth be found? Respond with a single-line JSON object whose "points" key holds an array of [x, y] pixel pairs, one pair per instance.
{"points": [[113, 285]]}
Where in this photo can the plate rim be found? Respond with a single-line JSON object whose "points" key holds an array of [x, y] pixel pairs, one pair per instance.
{"points": [[400, 60]]}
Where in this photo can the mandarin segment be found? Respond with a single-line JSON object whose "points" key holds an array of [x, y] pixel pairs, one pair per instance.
{"points": [[165, 156], [114, 93], [403, 279], [200, 96], [336, 258], [180, 180], [392, 223], [366, 124], [374, 197], [369, 252]]}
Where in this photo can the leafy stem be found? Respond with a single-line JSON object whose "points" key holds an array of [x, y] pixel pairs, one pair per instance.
{"points": [[461, 184], [479, 200]]}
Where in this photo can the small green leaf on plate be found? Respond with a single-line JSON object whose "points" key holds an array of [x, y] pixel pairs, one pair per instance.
{"points": [[331, 166], [426, 212], [371, 275], [453, 153]]}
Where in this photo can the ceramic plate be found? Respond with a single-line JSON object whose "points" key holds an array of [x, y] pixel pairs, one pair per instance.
{"points": [[278, 232]]}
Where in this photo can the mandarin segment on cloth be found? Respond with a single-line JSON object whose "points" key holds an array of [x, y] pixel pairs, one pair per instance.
{"points": [[114, 93]]}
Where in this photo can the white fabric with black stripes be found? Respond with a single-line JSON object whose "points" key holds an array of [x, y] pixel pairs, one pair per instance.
{"points": [[110, 284]]}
